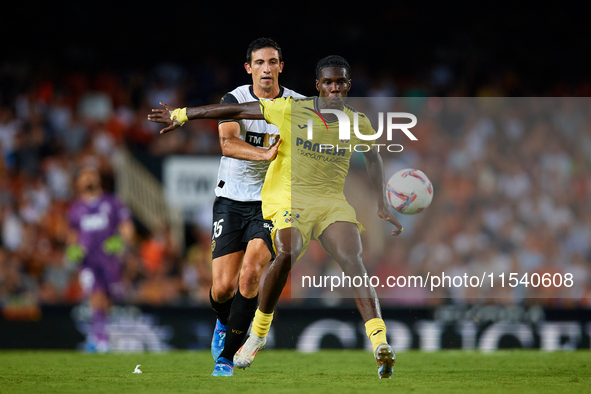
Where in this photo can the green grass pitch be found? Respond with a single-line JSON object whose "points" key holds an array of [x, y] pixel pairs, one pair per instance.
{"points": [[284, 371]]}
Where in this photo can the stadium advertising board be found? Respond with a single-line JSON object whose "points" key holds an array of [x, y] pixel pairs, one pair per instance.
{"points": [[483, 328], [189, 183]]}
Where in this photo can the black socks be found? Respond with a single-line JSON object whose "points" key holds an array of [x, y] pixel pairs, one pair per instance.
{"points": [[222, 310], [243, 310]]}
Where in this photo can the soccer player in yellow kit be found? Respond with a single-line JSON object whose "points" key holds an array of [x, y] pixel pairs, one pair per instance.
{"points": [[303, 195]]}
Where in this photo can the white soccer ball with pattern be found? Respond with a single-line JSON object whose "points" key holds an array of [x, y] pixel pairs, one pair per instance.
{"points": [[409, 191]]}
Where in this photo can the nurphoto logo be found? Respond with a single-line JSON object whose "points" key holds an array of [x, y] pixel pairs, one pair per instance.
{"points": [[345, 130]]}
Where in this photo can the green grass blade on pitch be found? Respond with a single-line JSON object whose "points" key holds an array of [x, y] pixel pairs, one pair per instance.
{"points": [[292, 372]]}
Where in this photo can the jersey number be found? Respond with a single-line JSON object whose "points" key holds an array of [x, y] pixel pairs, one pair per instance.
{"points": [[217, 228]]}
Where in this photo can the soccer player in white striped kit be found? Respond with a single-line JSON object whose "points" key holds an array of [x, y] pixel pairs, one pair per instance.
{"points": [[241, 241]]}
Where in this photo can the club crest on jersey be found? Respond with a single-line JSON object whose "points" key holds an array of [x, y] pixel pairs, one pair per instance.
{"points": [[289, 218]]}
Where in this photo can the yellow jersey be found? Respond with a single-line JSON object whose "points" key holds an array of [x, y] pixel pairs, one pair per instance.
{"points": [[306, 169]]}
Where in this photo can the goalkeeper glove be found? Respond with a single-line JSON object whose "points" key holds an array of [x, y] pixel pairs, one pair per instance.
{"points": [[75, 253], [113, 245]]}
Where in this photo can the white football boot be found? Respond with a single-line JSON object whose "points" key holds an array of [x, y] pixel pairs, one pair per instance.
{"points": [[385, 358], [245, 355]]}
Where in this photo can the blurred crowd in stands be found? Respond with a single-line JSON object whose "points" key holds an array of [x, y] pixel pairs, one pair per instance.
{"points": [[512, 181], [512, 194]]}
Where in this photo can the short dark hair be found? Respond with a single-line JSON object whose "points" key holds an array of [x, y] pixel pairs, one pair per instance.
{"points": [[261, 43], [333, 61]]}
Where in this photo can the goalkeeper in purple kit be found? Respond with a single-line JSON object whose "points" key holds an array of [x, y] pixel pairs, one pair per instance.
{"points": [[100, 227]]}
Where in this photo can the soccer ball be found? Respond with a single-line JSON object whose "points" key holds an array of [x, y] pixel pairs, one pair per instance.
{"points": [[409, 191]]}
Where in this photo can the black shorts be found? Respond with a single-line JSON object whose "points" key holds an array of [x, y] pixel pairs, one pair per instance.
{"points": [[235, 223]]}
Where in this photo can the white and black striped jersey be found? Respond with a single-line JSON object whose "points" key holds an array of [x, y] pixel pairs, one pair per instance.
{"points": [[242, 180]]}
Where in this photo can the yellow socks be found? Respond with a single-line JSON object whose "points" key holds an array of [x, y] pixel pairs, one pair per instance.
{"points": [[375, 330], [262, 323]]}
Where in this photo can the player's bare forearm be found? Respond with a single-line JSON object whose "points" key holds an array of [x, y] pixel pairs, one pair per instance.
{"points": [[375, 169], [251, 110], [173, 118], [238, 149], [233, 146]]}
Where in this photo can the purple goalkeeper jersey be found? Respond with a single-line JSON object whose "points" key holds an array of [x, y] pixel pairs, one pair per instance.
{"points": [[96, 221]]}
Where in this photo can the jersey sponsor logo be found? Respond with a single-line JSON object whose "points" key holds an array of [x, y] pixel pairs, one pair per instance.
{"points": [[326, 149], [261, 140], [94, 222], [213, 244]]}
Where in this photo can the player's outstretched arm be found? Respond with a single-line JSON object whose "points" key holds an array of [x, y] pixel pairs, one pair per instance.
{"points": [[233, 146], [375, 169], [176, 117]]}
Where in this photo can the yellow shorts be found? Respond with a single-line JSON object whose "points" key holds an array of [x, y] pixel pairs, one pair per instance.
{"points": [[312, 220]]}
